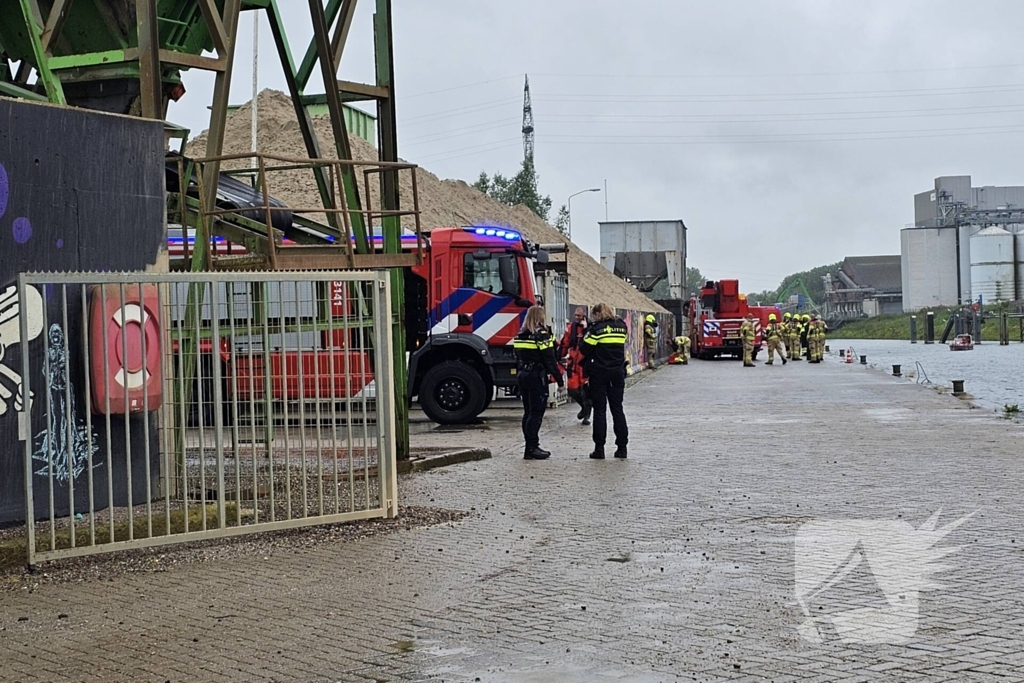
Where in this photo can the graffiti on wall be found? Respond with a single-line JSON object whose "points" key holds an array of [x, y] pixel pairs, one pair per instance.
{"points": [[65, 446], [12, 398]]}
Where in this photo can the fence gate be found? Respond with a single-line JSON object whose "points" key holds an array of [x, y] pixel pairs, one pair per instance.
{"points": [[160, 409]]}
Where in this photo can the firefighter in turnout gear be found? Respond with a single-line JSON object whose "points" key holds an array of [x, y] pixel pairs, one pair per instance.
{"points": [[747, 334], [773, 338], [650, 338], [604, 351], [787, 334], [793, 339], [816, 338], [682, 351], [535, 359]]}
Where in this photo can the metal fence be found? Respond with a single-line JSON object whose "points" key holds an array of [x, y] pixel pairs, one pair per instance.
{"points": [[170, 408]]}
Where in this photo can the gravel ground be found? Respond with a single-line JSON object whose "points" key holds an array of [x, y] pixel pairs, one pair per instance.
{"points": [[151, 560]]}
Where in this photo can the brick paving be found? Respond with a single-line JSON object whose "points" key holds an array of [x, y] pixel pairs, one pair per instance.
{"points": [[677, 564]]}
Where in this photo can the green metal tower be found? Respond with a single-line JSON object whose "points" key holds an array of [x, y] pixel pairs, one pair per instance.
{"points": [[127, 56]]}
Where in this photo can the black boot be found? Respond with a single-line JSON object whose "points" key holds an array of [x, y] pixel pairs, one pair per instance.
{"points": [[783, 360], [597, 453], [620, 452], [536, 453]]}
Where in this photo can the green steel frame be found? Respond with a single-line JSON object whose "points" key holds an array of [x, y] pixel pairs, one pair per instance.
{"points": [[78, 44]]}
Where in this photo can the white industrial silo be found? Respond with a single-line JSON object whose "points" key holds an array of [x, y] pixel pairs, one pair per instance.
{"points": [[1018, 239], [929, 268], [992, 265]]}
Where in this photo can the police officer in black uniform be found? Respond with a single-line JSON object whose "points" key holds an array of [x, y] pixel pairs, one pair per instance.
{"points": [[535, 355], [604, 351]]}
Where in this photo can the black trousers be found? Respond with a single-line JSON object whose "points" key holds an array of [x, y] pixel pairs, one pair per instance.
{"points": [[606, 392], [533, 389]]}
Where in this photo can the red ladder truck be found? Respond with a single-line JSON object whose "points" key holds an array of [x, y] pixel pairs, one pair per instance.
{"points": [[715, 318]]}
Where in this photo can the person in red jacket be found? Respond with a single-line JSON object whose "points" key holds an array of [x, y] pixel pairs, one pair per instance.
{"points": [[569, 351]]}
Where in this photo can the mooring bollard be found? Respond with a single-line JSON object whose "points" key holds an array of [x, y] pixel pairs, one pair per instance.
{"points": [[958, 387], [913, 329], [863, 360], [896, 371], [842, 353], [826, 348], [929, 328]]}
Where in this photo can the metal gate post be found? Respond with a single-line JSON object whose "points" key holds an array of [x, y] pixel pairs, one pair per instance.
{"points": [[25, 424], [386, 396]]}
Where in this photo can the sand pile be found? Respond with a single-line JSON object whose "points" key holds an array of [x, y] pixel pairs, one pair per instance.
{"points": [[442, 202]]}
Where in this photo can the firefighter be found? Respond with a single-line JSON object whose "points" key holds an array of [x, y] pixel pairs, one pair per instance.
{"points": [[650, 338], [805, 322], [747, 334], [817, 338], [682, 351], [534, 347], [773, 338], [569, 350], [604, 351], [790, 332]]}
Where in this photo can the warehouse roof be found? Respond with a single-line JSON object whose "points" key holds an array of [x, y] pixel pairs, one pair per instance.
{"points": [[883, 273]]}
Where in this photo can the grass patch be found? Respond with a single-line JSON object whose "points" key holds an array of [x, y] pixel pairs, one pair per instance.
{"points": [[14, 551], [1011, 409], [897, 326]]}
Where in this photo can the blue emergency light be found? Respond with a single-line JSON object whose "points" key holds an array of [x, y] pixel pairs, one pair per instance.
{"points": [[496, 232]]}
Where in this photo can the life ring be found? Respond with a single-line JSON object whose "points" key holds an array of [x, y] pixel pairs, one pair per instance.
{"points": [[129, 327]]}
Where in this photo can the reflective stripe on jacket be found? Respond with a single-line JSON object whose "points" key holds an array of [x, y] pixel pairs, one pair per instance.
{"points": [[604, 346]]}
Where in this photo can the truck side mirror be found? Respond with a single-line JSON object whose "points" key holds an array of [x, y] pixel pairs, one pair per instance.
{"points": [[543, 257]]}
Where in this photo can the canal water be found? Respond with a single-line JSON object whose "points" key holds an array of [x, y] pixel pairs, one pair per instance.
{"points": [[993, 374]]}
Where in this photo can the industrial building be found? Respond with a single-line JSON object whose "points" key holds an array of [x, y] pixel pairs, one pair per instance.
{"points": [[966, 242], [865, 286]]}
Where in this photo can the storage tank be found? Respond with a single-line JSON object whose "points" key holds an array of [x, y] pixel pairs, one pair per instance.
{"points": [[1019, 250], [929, 268], [992, 265]]}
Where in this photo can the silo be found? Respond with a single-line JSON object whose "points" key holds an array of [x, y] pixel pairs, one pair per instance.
{"points": [[1019, 250], [992, 265], [929, 267]]}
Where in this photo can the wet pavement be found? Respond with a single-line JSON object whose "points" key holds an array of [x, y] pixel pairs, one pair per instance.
{"points": [[676, 564]]}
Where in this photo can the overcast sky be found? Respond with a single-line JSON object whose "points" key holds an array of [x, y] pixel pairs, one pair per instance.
{"points": [[786, 134]]}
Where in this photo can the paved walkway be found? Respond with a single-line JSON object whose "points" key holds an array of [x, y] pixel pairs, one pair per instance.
{"points": [[677, 564]]}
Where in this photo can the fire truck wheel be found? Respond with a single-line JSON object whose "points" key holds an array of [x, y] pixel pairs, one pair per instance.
{"points": [[452, 393]]}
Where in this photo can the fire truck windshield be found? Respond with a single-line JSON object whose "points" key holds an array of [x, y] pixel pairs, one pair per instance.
{"points": [[497, 274]]}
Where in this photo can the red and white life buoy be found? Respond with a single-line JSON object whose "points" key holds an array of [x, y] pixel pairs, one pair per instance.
{"points": [[134, 380]]}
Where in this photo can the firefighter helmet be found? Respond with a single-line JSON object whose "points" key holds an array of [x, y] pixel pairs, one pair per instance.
{"points": [[771, 317], [650, 318], [787, 315], [806, 318]]}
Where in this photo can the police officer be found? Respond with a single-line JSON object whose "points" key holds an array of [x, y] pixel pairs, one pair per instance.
{"points": [[773, 338], [535, 355], [650, 338], [747, 335], [605, 361]]}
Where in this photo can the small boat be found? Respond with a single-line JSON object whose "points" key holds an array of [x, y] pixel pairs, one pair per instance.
{"points": [[963, 342]]}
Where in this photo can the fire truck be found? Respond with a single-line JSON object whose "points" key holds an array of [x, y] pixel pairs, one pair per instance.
{"points": [[463, 306], [715, 318]]}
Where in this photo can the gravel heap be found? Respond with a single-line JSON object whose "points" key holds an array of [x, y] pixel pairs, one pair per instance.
{"points": [[442, 202]]}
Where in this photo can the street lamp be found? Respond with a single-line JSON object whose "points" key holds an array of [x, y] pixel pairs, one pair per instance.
{"points": [[593, 189]]}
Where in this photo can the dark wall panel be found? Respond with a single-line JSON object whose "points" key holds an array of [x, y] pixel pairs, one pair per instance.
{"points": [[79, 190]]}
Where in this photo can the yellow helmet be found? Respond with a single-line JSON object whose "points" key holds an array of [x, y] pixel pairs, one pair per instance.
{"points": [[806, 318], [787, 315], [771, 317], [650, 317]]}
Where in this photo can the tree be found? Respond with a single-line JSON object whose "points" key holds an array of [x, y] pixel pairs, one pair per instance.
{"points": [[519, 189], [562, 221], [694, 281]]}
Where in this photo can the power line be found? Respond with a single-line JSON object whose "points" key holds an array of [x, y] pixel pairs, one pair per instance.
{"points": [[797, 74], [788, 97], [468, 109], [435, 158], [456, 87]]}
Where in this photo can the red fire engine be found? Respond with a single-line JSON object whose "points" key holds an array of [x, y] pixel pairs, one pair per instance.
{"points": [[463, 306], [715, 318]]}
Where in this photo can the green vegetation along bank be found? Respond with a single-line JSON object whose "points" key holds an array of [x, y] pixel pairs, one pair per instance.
{"points": [[898, 327]]}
